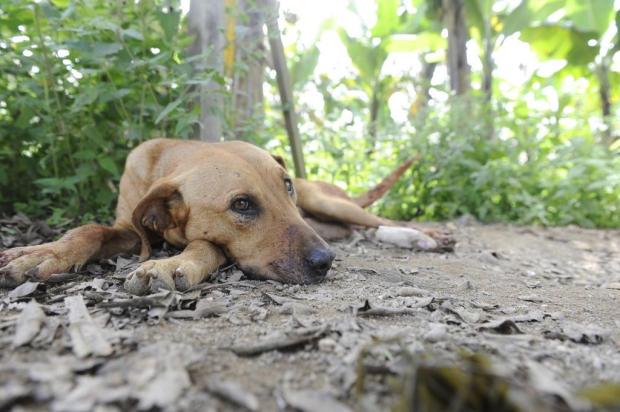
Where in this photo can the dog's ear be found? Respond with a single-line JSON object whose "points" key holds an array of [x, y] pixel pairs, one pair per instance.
{"points": [[280, 160], [160, 209]]}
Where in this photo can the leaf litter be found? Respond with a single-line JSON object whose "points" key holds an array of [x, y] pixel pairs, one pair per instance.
{"points": [[368, 338]]}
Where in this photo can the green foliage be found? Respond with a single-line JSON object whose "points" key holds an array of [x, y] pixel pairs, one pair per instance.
{"points": [[523, 176], [83, 82]]}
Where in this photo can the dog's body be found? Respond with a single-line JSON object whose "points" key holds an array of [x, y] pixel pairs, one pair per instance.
{"points": [[218, 201]]}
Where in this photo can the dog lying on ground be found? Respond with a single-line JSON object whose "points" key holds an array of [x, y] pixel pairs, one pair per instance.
{"points": [[220, 202]]}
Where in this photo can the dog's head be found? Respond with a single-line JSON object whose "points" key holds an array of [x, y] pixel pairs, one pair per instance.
{"points": [[241, 199]]}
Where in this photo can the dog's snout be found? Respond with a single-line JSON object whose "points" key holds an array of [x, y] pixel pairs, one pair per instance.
{"points": [[319, 262]]}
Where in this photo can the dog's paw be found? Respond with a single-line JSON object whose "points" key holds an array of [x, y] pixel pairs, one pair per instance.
{"points": [[171, 273], [445, 241], [39, 262]]}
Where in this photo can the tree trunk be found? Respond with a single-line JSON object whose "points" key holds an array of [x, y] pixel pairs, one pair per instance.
{"points": [[206, 24], [488, 66], [284, 87], [454, 21], [248, 75], [374, 118], [422, 89], [602, 72]]}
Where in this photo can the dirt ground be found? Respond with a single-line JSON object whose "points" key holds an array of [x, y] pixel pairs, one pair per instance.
{"points": [[542, 305]]}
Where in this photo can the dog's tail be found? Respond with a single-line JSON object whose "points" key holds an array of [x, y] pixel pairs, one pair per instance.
{"points": [[368, 198]]}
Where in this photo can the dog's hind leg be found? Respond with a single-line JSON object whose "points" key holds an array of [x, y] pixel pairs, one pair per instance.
{"points": [[71, 251], [316, 202]]}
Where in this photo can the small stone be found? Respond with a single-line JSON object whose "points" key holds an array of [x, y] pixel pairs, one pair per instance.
{"points": [[411, 291], [531, 298], [327, 345], [436, 332], [465, 285]]}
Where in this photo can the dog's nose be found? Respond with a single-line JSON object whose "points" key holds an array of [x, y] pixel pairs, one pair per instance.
{"points": [[319, 262]]}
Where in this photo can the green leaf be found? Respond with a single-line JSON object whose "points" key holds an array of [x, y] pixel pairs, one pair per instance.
{"points": [[478, 13], [85, 154], [115, 95], [169, 23], [61, 3], [617, 38], [133, 33], [86, 97], [367, 59], [105, 49], [591, 15], [170, 107], [109, 165], [387, 18], [23, 121], [423, 42], [304, 66], [560, 42], [518, 19]]}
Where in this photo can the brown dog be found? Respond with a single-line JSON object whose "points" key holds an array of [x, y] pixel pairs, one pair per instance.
{"points": [[218, 201]]}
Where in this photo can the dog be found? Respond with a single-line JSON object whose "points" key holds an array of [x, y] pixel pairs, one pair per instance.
{"points": [[219, 202]]}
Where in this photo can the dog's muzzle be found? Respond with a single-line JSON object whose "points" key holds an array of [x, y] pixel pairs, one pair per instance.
{"points": [[318, 262]]}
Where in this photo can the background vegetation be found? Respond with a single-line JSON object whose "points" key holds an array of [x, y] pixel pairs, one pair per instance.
{"points": [[84, 81]]}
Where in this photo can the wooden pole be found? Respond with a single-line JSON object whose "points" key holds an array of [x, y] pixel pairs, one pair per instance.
{"points": [[458, 68], [206, 24], [284, 87]]}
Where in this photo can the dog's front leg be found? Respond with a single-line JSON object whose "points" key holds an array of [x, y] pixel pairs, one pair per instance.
{"points": [[192, 266]]}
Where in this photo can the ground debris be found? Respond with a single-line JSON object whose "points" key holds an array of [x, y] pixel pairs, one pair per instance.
{"points": [[235, 393], [283, 323], [155, 377], [503, 326], [29, 324], [153, 300], [286, 340], [579, 333], [480, 383], [204, 308], [308, 400], [371, 310], [86, 336], [26, 289]]}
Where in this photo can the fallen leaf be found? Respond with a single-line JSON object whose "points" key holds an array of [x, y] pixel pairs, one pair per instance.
{"points": [[29, 324], [26, 289], [313, 401], [86, 336], [235, 393]]}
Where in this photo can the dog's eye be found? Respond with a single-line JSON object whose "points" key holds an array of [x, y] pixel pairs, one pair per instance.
{"points": [[244, 206], [289, 186]]}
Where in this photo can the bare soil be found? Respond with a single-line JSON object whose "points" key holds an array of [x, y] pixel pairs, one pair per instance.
{"points": [[541, 300]]}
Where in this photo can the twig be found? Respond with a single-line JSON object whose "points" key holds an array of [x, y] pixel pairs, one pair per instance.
{"points": [[284, 341]]}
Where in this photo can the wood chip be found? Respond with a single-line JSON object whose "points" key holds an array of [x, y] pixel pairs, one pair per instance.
{"points": [[86, 337]]}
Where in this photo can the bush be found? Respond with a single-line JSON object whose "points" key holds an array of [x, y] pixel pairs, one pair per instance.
{"points": [[521, 172], [83, 82]]}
